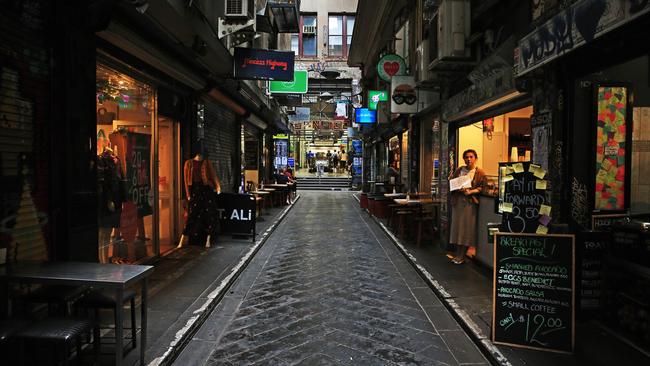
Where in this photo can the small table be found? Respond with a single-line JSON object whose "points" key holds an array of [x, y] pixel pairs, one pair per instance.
{"points": [[394, 195], [117, 277]]}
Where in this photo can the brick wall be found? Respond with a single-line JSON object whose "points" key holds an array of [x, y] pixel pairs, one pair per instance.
{"points": [[221, 141]]}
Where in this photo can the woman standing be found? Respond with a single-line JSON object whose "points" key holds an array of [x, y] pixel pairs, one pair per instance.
{"points": [[464, 206]]}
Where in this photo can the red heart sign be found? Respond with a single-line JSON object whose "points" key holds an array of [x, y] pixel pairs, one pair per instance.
{"points": [[391, 68]]}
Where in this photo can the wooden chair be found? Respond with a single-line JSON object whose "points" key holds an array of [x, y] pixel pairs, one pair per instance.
{"points": [[425, 218]]}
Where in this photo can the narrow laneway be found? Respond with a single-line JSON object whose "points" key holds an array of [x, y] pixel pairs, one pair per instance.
{"points": [[329, 288]]}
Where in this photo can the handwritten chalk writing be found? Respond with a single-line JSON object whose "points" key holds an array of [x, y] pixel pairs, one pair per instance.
{"points": [[579, 202], [533, 290], [528, 200]]}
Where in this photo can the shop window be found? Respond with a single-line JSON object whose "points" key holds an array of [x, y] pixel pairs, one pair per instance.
{"points": [[640, 177], [308, 36], [402, 42], [124, 167]]}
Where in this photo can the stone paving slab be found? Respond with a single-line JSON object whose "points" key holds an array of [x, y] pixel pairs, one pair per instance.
{"points": [[325, 289]]}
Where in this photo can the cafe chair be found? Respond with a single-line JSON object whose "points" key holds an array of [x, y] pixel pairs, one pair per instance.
{"points": [[57, 333], [59, 298], [98, 299], [425, 220]]}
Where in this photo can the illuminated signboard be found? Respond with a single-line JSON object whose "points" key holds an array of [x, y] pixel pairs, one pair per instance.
{"points": [[364, 115], [376, 96], [250, 63]]}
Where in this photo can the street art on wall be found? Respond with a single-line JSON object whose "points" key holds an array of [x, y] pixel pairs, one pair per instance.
{"points": [[611, 136], [572, 27]]}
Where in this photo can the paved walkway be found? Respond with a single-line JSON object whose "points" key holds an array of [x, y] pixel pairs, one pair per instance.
{"points": [[329, 287]]}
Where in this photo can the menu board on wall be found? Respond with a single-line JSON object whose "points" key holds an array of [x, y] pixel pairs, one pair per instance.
{"points": [[522, 199], [533, 291], [605, 222], [592, 246]]}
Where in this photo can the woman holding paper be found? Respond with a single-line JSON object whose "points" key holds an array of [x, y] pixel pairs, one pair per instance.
{"points": [[464, 204]]}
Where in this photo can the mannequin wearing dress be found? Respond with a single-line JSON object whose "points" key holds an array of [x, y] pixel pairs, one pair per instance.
{"points": [[200, 184]]}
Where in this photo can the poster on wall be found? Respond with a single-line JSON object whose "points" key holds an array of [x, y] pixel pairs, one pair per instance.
{"points": [[540, 145], [403, 95], [611, 148], [134, 150]]}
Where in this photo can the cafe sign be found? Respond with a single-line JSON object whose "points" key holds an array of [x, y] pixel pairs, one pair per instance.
{"points": [[376, 96], [250, 63], [296, 86], [391, 65]]}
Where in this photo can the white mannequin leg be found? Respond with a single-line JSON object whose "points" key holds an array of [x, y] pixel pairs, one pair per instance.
{"points": [[207, 242], [182, 242]]}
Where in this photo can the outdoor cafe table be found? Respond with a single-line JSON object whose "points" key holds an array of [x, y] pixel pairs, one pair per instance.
{"points": [[394, 195], [109, 276]]}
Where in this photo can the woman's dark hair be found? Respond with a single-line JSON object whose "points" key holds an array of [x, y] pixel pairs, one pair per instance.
{"points": [[470, 151]]}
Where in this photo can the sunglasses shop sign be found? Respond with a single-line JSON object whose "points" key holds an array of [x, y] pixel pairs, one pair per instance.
{"points": [[404, 97]]}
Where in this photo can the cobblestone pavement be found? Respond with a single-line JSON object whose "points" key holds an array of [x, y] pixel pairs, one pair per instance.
{"points": [[328, 288]]}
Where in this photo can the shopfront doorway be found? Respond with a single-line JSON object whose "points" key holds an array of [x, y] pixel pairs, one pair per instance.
{"points": [[138, 152]]}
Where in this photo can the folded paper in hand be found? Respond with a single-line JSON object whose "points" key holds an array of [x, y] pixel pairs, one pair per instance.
{"points": [[464, 181]]}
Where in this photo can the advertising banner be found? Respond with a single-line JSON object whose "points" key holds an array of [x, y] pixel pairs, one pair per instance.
{"points": [[250, 63]]}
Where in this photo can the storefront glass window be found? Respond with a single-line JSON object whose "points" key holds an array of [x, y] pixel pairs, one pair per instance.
{"points": [[640, 180], [124, 167]]}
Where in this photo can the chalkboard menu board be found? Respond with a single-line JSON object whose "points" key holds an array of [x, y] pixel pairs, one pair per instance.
{"points": [[605, 222], [522, 199], [533, 291], [251, 156], [592, 246]]}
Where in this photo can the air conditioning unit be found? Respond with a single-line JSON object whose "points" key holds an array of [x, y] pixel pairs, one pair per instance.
{"points": [[454, 26], [308, 29], [239, 8]]}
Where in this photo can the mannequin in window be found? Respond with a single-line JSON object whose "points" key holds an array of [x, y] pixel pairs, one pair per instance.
{"points": [[200, 184], [111, 195]]}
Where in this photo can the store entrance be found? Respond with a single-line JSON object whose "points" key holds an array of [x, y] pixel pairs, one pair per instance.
{"points": [[324, 154]]}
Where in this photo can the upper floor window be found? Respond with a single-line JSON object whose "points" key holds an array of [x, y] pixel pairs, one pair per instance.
{"points": [[308, 36], [340, 34], [295, 44]]}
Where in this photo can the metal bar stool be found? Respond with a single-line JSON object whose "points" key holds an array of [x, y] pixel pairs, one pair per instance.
{"points": [[57, 332], [97, 299]]}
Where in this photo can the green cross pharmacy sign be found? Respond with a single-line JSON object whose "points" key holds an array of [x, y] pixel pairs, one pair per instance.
{"points": [[297, 86]]}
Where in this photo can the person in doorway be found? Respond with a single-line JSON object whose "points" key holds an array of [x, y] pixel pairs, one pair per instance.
{"points": [[329, 158], [344, 161], [464, 206], [335, 162], [201, 183]]}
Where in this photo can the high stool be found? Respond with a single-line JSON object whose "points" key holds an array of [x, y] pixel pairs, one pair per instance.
{"points": [[57, 332], [97, 299], [7, 343], [59, 295]]}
